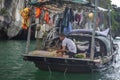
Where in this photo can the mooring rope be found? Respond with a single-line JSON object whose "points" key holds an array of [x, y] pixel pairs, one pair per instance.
{"points": [[66, 67], [50, 71]]}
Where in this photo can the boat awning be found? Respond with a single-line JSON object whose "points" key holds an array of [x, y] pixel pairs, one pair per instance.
{"points": [[104, 33], [106, 41], [103, 9], [37, 4], [80, 1], [89, 31]]}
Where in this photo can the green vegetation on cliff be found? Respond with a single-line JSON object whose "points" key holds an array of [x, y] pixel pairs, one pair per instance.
{"points": [[115, 16]]}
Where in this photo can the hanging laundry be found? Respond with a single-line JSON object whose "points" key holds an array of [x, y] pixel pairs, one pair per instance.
{"points": [[51, 20], [84, 19], [78, 18], [98, 21], [71, 15], [47, 17], [25, 13], [101, 17], [81, 13], [59, 25], [68, 29], [55, 19], [25, 24], [40, 32], [41, 18], [38, 12], [91, 15], [66, 17]]}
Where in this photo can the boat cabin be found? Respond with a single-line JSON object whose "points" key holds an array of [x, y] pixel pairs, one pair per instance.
{"points": [[48, 60], [82, 39]]}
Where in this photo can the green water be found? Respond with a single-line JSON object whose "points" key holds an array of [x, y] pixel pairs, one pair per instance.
{"points": [[13, 67]]}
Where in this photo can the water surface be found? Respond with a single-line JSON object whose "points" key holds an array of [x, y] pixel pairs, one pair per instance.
{"points": [[13, 67]]}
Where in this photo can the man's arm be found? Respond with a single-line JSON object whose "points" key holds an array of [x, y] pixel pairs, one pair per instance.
{"points": [[61, 50]]}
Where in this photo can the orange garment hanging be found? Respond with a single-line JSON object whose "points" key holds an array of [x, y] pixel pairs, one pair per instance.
{"points": [[25, 24], [38, 12], [47, 17], [25, 13]]}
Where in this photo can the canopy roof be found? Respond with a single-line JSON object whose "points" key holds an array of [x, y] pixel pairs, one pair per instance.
{"points": [[60, 2], [80, 1], [89, 31]]}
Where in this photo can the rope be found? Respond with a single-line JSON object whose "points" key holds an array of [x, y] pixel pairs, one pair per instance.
{"points": [[66, 67], [92, 70], [65, 70], [50, 71]]}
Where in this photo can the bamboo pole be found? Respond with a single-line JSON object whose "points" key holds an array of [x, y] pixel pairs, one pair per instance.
{"points": [[38, 40], [93, 33], [28, 40], [109, 15], [29, 33]]}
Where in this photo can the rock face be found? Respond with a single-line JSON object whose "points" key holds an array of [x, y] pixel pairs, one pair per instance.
{"points": [[10, 19]]}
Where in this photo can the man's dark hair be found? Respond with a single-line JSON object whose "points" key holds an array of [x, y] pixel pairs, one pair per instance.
{"points": [[62, 35]]}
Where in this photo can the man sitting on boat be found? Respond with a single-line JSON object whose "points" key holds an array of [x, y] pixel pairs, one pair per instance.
{"points": [[67, 44]]}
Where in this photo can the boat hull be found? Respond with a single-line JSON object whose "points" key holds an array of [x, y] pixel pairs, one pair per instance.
{"points": [[64, 65]]}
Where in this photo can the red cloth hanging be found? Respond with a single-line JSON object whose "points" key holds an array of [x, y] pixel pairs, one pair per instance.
{"points": [[47, 17]]}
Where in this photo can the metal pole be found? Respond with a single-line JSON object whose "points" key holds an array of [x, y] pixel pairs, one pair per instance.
{"points": [[28, 40], [29, 33], [38, 45], [109, 15], [93, 33]]}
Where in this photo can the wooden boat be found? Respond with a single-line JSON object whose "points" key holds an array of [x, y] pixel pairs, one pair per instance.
{"points": [[97, 57], [102, 58]]}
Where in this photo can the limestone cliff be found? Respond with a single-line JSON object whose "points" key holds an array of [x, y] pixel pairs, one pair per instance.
{"points": [[10, 19]]}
